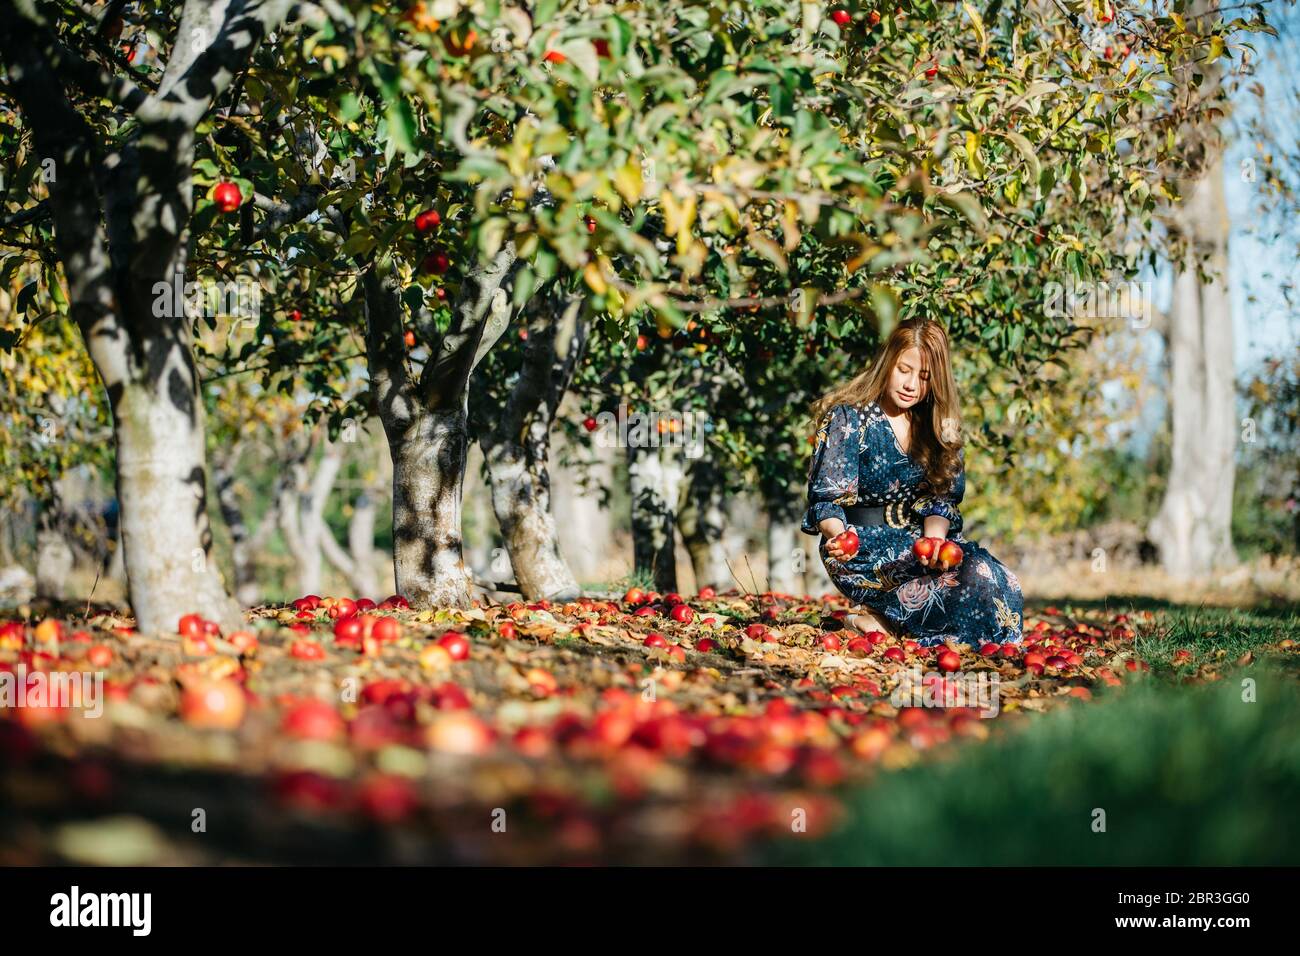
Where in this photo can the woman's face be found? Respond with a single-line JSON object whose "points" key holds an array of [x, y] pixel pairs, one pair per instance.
{"points": [[909, 382]]}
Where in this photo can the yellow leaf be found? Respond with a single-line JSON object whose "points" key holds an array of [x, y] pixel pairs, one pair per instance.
{"points": [[628, 181], [978, 22], [595, 280]]}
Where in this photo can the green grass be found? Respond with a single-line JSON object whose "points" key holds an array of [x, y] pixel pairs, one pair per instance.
{"points": [[1186, 774]]}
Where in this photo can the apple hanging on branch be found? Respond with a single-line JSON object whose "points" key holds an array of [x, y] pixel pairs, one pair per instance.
{"points": [[227, 196], [427, 221]]}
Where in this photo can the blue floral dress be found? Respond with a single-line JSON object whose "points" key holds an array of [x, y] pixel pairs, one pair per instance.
{"points": [[857, 461]]}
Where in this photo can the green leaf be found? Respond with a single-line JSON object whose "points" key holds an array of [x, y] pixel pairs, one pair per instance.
{"points": [[401, 126], [1026, 150]]}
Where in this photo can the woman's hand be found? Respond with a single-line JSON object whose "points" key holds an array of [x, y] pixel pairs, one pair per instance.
{"points": [[832, 528], [930, 560], [933, 527]]}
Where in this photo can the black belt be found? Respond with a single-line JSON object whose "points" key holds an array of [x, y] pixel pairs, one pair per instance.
{"points": [[896, 514]]}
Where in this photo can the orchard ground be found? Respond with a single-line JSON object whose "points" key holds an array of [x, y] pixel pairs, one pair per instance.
{"points": [[561, 736]]}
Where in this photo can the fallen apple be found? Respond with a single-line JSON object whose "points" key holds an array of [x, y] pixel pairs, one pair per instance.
{"points": [[456, 644], [213, 705]]}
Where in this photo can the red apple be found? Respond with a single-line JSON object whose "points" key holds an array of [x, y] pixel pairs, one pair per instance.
{"points": [[458, 732], [682, 613], [925, 548], [554, 56], [427, 221], [387, 798], [190, 625], [847, 541], [307, 651], [655, 640], [101, 656], [457, 645], [295, 315], [312, 720], [949, 660], [227, 197], [842, 17], [243, 641], [343, 607], [436, 262], [590, 424], [756, 632], [831, 642], [950, 554], [349, 630], [706, 645], [213, 705], [708, 593], [895, 654], [387, 629]]}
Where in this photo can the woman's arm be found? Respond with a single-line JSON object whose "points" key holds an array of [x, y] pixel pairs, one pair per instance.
{"points": [[833, 471], [940, 514]]}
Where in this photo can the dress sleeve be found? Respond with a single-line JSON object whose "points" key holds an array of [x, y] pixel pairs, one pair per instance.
{"points": [[833, 471], [945, 506]]}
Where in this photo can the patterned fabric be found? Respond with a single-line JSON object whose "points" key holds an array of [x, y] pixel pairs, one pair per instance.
{"points": [[857, 460]]}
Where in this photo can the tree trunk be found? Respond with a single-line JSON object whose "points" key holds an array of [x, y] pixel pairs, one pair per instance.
{"points": [[517, 448], [428, 477], [54, 555], [816, 581], [357, 561], [653, 519], [1193, 528], [701, 516], [426, 421], [121, 213], [243, 550], [162, 487], [361, 544], [785, 554]]}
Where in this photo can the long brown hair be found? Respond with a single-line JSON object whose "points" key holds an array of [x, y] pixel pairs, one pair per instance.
{"points": [[936, 447]]}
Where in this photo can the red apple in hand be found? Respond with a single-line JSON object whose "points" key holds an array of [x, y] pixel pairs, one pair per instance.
{"points": [[950, 554], [846, 541], [926, 548]]}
